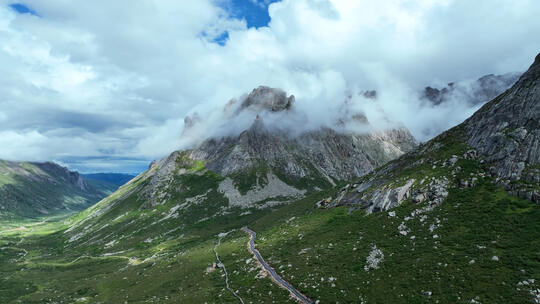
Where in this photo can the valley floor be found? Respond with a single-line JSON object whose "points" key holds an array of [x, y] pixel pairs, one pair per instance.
{"points": [[480, 246]]}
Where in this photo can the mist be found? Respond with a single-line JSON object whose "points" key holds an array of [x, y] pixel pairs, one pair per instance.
{"points": [[393, 105]]}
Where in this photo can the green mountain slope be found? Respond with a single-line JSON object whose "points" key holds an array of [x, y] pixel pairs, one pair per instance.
{"points": [[106, 188], [40, 189], [451, 222]]}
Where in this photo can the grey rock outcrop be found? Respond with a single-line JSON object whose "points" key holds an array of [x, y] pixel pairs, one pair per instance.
{"points": [[274, 186], [506, 132], [371, 196], [266, 98], [325, 152], [159, 177]]}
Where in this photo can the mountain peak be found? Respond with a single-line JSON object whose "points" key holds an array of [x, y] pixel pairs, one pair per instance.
{"points": [[534, 70], [266, 98]]}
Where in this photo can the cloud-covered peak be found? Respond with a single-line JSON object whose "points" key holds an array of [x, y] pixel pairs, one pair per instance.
{"points": [[269, 99], [278, 111]]}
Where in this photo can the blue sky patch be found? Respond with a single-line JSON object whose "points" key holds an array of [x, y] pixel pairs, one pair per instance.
{"points": [[222, 38], [22, 9], [255, 12]]}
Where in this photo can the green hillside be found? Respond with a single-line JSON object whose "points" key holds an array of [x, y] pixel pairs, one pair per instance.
{"points": [[45, 189]]}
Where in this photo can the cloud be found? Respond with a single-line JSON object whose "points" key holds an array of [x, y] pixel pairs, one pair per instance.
{"points": [[115, 79]]}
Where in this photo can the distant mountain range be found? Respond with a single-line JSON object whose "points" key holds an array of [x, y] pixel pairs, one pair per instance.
{"points": [[33, 189], [36, 189], [117, 179]]}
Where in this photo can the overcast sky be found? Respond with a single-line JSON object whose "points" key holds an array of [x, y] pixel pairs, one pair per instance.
{"points": [[105, 85]]}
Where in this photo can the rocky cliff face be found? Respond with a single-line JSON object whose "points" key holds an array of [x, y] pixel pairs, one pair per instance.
{"points": [[62, 173], [506, 133], [326, 152], [270, 156], [499, 143], [33, 189]]}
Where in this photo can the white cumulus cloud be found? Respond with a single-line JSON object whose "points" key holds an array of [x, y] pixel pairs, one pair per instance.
{"points": [[99, 79]]}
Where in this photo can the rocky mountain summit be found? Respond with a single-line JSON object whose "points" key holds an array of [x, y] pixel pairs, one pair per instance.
{"points": [[33, 189], [264, 158], [501, 141], [265, 98], [477, 92]]}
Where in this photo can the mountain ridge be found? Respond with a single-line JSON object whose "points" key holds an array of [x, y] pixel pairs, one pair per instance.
{"points": [[32, 189], [503, 137]]}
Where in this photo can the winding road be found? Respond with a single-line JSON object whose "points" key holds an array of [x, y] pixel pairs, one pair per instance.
{"points": [[273, 274]]}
